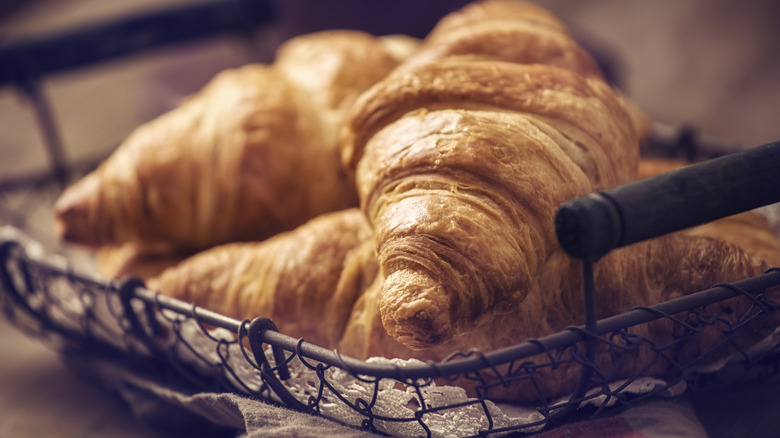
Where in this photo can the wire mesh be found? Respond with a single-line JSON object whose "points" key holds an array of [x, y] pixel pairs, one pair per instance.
{"points": [[153, 333]]}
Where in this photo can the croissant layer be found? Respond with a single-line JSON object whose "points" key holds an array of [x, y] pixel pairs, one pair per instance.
{"points": [[321, 282], [460, 166], [306, 279], [253, 153]]}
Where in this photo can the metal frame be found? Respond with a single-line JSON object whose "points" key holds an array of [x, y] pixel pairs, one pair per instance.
{"points": [[142, 319]]}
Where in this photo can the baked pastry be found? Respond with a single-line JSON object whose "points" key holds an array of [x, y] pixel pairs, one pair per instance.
{"points": [[505, 30], [647, 273], [129, 260], [253, 153], [460, 166], [514, 31], [321, 282], [306, 280], [463, 154]]}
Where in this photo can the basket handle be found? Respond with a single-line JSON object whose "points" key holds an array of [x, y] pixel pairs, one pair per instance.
{"points": [[592, 225], [38, 55]]}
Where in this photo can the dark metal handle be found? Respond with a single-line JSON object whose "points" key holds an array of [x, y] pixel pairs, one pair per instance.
{"points": [[40, 55], [592, 225]]}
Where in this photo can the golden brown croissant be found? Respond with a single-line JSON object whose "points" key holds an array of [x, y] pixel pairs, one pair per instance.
{"points": [[644, 274], [321, 282], [460, 166], [463, 153], [514, 31], [306, 280], [119, 261], [505, 30], [253, 153]]}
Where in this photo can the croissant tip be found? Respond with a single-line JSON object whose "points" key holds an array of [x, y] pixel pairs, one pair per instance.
{"points": [[72, 214], [420, 339], [419, 317]]}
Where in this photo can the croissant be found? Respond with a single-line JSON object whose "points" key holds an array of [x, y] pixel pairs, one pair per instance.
{"points": [[306, 280], [645, 274], [505, 30], [462, 155], [252, 153], [321, 282], [462, 166]]}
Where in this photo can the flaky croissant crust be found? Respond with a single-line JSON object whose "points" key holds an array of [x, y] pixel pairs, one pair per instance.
{"points": [[468, 84], [306, 279], [460, 165], [253, 153], [505, 30]]}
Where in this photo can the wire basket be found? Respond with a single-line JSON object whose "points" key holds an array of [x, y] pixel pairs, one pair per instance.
{"points": [[147, 332]]}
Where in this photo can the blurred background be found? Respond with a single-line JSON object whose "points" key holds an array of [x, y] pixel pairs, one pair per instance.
{"points": [[712, 66]]}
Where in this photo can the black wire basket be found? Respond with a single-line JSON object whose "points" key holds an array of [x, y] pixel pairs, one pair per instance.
{"points": [[150, 333]]}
